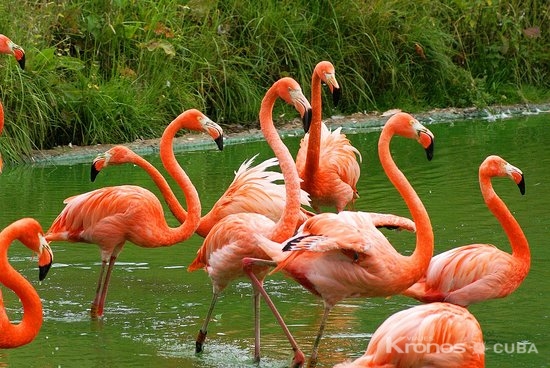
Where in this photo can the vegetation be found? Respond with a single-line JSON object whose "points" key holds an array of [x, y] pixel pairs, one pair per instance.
{"points": [[111, 71]]}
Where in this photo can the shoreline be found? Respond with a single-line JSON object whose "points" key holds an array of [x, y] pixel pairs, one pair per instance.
{"points": [[67, 155]]}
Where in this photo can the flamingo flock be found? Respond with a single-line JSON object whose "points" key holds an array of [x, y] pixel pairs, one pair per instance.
{"points": [[260, 226]]}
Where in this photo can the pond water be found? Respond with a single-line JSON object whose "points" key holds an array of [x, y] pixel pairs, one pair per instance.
{"points": [[155, 307]]}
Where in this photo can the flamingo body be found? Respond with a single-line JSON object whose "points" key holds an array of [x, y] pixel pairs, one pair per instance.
{"points": [[438, 335], [29, 232], [478, 272], [326, 161]]}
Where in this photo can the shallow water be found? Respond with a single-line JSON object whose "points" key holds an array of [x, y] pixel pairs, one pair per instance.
{"points": [[155, 307]]}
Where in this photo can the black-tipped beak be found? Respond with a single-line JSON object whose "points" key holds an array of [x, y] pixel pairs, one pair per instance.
{"points": [[430, 151], [93, 172], [22, 62], [219, 142], [336, 95], [306, 119], [43, 271], [521, 185]]}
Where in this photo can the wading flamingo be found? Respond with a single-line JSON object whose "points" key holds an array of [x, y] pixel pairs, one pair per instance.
{"points": [[111, 216], [29, 232], [437, 335], [338, 256], [8, 47], [477, 272], [326, 161], [232, 238]]}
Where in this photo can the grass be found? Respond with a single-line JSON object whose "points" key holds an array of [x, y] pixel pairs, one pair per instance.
{"points": [[115, 71]]}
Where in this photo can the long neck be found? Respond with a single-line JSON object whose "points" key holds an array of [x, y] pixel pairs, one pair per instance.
{"points": [[1, 117], [187, 228], [20, 334], [286, 225], [314, 139], [424, 235], [175, 206], [518, 241]]}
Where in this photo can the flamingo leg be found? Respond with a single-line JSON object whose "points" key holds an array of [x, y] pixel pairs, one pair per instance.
{"points": [[299, 357], [95, 303], [99, 303], [314, 354], [256, 301], [201, 337]]}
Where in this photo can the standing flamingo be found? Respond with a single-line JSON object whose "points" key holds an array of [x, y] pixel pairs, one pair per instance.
{"points": [[338, 256], [8, 47], [477, 272], [437, 335], [233, 238], [111, 216], [327, 161], [29, 232]]}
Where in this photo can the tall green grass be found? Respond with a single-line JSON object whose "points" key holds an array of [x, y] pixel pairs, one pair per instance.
{"points": [[115, 71]]}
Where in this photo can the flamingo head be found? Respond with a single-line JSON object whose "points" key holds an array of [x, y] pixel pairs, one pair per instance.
{"points": [[193, 119], [114, 156], [31, 235], [496, 166], [9, 47], [326, 72], [407, 126], [290, 91]]}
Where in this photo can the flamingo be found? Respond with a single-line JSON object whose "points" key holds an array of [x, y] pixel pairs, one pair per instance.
{"points": [[232, 238], [111, 216], [478, 272], [438, 335], [8, 47], [344, 255], [29, 232], [326, 161]]}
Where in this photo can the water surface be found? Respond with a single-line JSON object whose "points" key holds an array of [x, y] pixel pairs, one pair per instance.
{"points": [[155, 307]]}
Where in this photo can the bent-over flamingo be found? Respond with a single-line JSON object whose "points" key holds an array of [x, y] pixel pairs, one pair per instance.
{"points": [[338, 256], [326, 161], [111, 216], [232, 238], [29, 232], [437, 335], [477, 272]]}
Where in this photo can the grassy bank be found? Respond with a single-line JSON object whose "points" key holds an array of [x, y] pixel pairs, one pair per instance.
{"points": [[113, 71]]}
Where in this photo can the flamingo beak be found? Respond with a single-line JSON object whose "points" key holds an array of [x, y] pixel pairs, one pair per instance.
{"points": [[97, 164], [336, 95], [521, 185], [45, 258], [219, 142], [306, 119]]}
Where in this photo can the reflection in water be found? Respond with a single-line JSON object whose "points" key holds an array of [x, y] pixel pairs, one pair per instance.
{"points": [[155, 306]]}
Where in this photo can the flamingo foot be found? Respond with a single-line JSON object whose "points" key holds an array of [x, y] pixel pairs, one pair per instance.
{"points": [[200, 341], [298, 360]]}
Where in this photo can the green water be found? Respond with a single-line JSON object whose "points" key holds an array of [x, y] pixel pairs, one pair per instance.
{"points": [[155, 307]]}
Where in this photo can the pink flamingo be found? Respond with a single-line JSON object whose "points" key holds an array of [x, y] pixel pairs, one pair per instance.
{"points": [[326, 161], [478, 272], [8, 47], [438, 335], [338, 256], [29, 232], [232, 238], [111, 216]]}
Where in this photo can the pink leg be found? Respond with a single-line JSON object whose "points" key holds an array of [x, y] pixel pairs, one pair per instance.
{"points": [[256, 301], [314, 355], [299, 357], [97, 307], [95, 303], [201, 337]]}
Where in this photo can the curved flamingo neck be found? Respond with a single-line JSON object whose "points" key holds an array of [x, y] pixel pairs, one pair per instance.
{"points": [[423, 251], [314, 139], [285, 227], [518, 241], [175, 206], [16, 335], [1, 117], [187, 228]]}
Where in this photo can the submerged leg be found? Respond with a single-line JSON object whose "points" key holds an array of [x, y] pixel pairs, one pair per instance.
{"points": [[314, 354], [97, 298], [256, 302], [299, 357], [201, 337]]}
